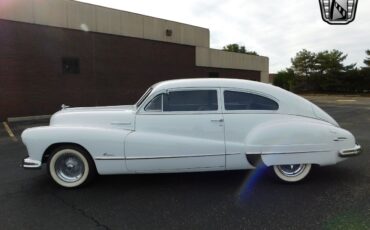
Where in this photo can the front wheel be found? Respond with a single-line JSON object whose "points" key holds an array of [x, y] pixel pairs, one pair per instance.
{"points": [[70, 166], [292, 173]]}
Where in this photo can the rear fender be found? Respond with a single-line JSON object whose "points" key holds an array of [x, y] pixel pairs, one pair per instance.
{"points": [[291, 142]]}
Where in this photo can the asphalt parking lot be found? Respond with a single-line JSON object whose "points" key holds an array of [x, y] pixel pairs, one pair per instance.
{"points": [[333, 197]]}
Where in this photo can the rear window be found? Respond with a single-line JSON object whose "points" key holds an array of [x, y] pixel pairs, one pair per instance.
{"points": [[248, 101]]}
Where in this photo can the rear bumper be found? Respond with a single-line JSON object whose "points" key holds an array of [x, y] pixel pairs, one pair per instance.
{"points": [[28, 163], [350, 152]]}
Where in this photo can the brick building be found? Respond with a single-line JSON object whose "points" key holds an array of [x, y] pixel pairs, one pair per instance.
{"points": [[55, 52]]}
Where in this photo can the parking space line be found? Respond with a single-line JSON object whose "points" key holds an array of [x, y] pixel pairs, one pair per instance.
{"points": [[346, 100], [9, 131]]}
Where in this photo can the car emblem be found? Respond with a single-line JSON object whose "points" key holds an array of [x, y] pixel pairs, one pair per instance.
{"points": [[338, 12]]}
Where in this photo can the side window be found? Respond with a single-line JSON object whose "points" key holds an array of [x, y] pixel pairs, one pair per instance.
{"points": [[190, 100], [155, 105], [248, 101]]}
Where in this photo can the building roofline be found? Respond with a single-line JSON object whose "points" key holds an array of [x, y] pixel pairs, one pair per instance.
{"points": [[71, 14], [142, 15]]}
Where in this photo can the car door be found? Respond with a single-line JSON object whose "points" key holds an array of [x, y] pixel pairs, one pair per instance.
{"points": [[178, 130], [244, 110]]}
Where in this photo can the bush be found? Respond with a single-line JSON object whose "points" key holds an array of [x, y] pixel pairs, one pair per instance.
{"points": [[351, 81], [284, 79]]}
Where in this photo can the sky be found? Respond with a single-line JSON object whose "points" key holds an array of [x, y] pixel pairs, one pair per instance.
{"points": [[276, 29]]}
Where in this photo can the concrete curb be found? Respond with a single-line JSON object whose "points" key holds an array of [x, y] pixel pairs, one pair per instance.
{"points": [[28, 118]]}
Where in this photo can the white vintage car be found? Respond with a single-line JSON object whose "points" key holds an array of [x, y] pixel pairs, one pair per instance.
{"points": [[190, 125]]}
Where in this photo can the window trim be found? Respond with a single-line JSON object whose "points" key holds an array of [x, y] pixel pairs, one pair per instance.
{"points": [[250, 92], [142, 110], [150, 101], [143, 97]]}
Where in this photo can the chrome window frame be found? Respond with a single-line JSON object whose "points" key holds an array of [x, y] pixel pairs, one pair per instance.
{"points": [[251, 111], [142, 110]]}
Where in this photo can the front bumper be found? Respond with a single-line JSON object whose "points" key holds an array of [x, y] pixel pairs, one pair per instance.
{"points": [[350, 152], [28, 163]]}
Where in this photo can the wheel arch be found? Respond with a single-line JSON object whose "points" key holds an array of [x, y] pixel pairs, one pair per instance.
{"points": [[48, 151]]}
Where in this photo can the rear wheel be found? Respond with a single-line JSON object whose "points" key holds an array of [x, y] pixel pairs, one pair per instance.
{"points": [[293, 172], [71, 166]]}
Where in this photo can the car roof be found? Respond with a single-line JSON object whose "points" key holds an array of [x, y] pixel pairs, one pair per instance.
{"points": [[212, 82], [288, 102]]}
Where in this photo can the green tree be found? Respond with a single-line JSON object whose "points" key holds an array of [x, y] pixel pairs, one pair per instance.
{"points": [[238, 49], [367, 60], [324, 72], [303, 64], [331, 62], [285, 79]]}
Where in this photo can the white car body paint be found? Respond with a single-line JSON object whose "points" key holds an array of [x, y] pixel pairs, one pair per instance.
{"points": [[128, 139]]}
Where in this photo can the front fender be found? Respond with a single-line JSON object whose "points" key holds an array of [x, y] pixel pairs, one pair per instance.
{"points": [[97, 141]]}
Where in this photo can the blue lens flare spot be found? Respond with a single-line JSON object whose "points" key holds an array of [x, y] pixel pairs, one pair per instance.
{"points": [[249, 184]]}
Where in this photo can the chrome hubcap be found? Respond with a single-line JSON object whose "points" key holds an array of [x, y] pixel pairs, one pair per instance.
{"points": [[291, 170], [69, 168]]}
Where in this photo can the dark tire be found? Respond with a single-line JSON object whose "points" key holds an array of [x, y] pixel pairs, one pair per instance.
{"points": [[71, 166]]}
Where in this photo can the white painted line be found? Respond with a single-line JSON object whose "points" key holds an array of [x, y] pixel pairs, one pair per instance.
{"points": [[346, 100], [9, 131]]}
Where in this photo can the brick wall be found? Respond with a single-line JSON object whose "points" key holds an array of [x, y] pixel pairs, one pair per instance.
{"points": [[114, 70]]}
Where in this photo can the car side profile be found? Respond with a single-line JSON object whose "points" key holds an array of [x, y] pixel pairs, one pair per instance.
{"points": [[190, 125]]}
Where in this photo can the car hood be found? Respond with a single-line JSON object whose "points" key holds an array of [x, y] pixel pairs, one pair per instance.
{"points": [[121, 117]]}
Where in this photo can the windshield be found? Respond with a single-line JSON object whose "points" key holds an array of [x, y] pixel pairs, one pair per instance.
{"points": [[142, 98]]}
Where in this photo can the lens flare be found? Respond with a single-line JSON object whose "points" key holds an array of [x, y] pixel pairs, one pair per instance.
{"points": [[249, 184]]}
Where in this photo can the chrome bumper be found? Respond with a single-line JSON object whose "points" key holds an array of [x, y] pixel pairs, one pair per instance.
{"points": [[28, 163], [350, 152]]}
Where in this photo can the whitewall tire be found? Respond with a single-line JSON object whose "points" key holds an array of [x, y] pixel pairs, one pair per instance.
{"points": [[70, 166], [292, 173]]}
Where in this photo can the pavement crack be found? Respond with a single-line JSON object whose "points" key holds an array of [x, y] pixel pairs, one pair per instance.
{"points": [[82, 212]]}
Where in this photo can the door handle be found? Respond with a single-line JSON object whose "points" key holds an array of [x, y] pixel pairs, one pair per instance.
{"points": [[218, 120]]}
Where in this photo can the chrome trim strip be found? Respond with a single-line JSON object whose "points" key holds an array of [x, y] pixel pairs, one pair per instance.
{"points": [[313, 151], [166, 157], [156, 157], [228, 154], [110, 158], [340, 139], [169, 170], [120, 123]]}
